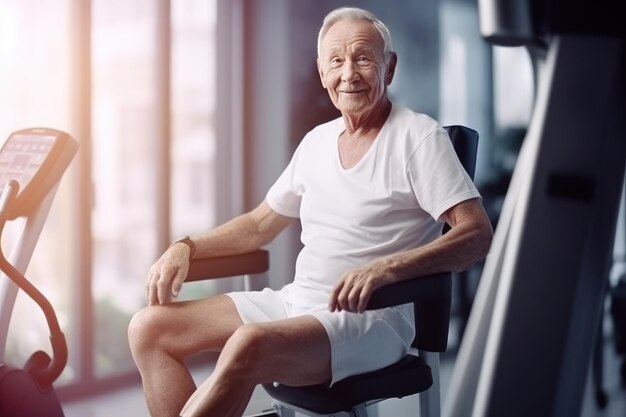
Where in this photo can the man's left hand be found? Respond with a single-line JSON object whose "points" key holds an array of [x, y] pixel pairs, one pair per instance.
{"points": [[354, 289]]}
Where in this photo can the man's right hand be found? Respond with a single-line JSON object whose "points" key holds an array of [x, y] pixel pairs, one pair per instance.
{"points": [[166, 276]]}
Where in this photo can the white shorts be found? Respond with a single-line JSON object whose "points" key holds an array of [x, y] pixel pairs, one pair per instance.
{"points": [[359, 343]]}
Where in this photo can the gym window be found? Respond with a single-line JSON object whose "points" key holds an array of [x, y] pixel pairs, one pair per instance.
{"points": [[135, 83]]}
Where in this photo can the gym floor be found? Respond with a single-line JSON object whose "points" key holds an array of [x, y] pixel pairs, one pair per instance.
{"points": [[129, 402]]}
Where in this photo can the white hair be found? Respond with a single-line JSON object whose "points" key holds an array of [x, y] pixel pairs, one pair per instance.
{"points": [[354, 13]]}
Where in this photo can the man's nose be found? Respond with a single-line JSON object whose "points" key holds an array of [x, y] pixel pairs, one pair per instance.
{"points": [[350, 71]]}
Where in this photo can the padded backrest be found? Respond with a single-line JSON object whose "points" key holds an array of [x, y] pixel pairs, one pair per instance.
{"points": [[465, 142], [432, 307]]}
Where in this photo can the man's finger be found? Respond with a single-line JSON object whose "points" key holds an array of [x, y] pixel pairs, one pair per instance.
{"points": [[364, 299], [333, 303], [342, 298], [178, 281], [163, 290], [353, 299], [152, 292]]}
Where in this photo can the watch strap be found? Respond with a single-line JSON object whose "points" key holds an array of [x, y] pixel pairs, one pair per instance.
{"points": [[187, 241]]}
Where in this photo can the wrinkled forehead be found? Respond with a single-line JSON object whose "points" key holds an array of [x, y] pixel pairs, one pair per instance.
{"points": [[352, 34]]}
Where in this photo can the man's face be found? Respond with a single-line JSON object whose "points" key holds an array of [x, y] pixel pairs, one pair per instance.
{"points": [[352, 66]]}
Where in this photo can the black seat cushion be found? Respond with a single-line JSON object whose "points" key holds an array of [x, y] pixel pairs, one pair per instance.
{"points": [[408, 376]]}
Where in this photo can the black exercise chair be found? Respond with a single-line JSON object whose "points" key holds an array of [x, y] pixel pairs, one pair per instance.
{"points": [[417, 372]]}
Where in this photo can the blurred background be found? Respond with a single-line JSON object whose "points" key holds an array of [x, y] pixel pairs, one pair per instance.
{"points": [[186, 112]]}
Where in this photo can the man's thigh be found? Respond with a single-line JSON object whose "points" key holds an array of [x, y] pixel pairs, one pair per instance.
{"points": [[189, 327], [297, 352]]}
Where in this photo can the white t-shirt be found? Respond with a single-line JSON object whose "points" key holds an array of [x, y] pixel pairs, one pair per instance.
{"points": [[390, 201]]}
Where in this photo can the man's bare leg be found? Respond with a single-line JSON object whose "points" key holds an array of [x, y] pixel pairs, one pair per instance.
{"points": [[162, 336], [294, 351]]}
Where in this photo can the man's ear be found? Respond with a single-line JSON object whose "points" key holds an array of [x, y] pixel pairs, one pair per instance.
{"points": [[321, 73], [391, 67]]}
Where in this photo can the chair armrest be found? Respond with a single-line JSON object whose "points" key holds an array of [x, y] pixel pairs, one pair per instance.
{"points": [[412, 290], [228, 266], [431, 297]]}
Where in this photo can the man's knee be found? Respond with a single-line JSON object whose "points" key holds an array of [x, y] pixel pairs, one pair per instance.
{"points": [[145, 330], [265, 352], [249, 346]]}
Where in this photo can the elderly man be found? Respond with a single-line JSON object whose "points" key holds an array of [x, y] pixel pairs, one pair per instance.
{"points": [[372, 190]]}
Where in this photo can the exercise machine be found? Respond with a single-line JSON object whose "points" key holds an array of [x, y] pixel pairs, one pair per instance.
{"points": [[32, 163], [532, 329]]}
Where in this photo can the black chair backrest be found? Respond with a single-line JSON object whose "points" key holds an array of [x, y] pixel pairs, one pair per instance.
{"points": [[432, 307], [465, 142]]}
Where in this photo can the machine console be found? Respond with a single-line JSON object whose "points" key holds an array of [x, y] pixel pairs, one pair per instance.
{"points": [[36, 158]]}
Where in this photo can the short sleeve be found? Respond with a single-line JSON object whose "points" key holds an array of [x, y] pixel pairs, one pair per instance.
{"points": [[437, 176], [285, 195]]}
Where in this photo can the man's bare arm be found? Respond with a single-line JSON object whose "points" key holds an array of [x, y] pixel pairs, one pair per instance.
{"points": [[242, 234], [465, 243]]}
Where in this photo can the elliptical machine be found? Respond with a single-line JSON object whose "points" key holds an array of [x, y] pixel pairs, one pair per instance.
{"points": [[32, 162]]}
